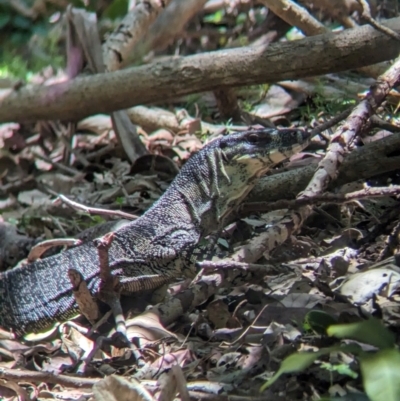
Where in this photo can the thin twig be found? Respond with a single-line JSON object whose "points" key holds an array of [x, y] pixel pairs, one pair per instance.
{"points": [[38, 250], [208, 265], [95, 210], [366, 14], [59, 166], [331, 122], [109, 283], [243, 335]]}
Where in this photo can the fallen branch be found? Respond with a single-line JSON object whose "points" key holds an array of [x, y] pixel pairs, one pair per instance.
{"points": [[209, 265], [159, 81], [298, 16], [367, 193], [84, 44], [375, 158]]}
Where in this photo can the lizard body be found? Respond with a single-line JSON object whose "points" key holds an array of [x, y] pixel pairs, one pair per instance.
{"points": [[159, 246]]}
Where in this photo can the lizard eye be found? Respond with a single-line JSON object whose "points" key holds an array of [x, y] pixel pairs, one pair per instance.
{"points": [[253, 138], [223, 145]]}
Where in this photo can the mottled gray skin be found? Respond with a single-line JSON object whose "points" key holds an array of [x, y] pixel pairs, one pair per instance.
{"points": [[160, 245]]}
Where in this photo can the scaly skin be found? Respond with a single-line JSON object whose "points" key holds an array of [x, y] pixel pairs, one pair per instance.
{"points": [[159, 246]]}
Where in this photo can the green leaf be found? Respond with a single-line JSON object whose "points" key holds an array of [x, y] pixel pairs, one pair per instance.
{"points": [[293, 363], [341, 368], [370, 331], [381, 375], [19, 37], [4, 20], [120, 200], [40, 28], [302, 360], [117, 9], [318, 321], [21, 22], [215, 18], [97, 219], [241, 18]]}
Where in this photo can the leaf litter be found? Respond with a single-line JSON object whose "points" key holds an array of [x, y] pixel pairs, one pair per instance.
{"points": [[237, 339]]}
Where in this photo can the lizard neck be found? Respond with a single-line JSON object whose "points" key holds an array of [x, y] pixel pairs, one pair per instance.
{"points": [[203, 194]]}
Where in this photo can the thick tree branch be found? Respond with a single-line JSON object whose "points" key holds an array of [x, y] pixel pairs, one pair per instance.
{"points": [[365, 162], [299, 17], [159, 81], [341, 198]]}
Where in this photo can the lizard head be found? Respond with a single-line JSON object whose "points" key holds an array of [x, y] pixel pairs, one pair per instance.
{"points": [[259, 150], [245, 156], [227, 168]]}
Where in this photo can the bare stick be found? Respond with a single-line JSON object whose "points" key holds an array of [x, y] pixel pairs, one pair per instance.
{"points": [[345, 135], [96, 211], [38, 250], [366, 14], [208, 265], [109, 283], [59, 166], [170, 24], [295, 15]]}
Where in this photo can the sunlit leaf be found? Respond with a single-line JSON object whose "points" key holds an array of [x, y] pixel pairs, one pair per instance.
{"points": [[293, 363], [341, 368], [370, 331], [215, 18], [381, 375]]}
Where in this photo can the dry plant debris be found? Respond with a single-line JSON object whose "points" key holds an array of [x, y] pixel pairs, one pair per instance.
{"points": [[315, 244]]}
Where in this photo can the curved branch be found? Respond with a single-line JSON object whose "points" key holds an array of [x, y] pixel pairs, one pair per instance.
{"points": [[104, 93]]}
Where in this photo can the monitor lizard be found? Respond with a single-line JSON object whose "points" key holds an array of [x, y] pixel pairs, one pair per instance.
{"points": [[163, 243]]}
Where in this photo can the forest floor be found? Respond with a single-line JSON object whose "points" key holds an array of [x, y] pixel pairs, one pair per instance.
{"points": [[312, 300]]}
